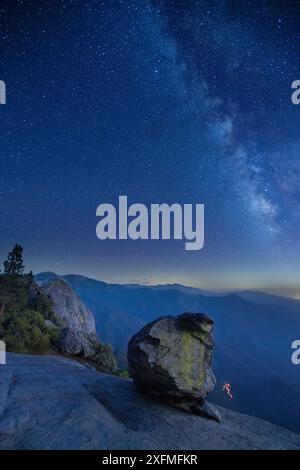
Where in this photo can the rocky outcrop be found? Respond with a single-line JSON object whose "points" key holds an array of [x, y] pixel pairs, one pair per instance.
{"points": [[78, 333], [49, 402], [171, 358]]}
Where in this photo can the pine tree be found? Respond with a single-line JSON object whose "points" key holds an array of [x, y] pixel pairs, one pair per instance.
{"points": [[30, 278], [4, 295], [14, 263]]}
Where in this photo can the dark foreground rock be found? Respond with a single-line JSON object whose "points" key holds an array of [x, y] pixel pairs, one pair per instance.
{"points": [[55, 403], [171, 358]]}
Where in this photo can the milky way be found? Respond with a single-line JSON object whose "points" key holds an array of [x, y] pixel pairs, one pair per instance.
{"points": [[163, 101]]}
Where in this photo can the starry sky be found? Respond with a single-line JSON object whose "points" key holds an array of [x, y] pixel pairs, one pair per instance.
{"points": [[163, 101]]}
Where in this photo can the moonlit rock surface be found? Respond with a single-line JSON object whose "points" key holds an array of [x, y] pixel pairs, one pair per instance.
{"points": [[49, 402], [78, 335]]}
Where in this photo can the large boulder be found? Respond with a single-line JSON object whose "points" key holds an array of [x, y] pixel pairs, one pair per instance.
{"points": [[171, 358], [78, 333]]}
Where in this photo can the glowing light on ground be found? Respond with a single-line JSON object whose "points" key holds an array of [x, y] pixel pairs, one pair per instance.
{"points": [[227, 389]]}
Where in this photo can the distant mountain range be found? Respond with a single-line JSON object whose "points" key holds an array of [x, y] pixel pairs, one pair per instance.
{"points": [[253, 336], [180, 287]]}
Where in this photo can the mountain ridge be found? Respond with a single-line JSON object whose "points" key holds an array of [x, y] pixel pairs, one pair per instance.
{"points": [[251, 294]]}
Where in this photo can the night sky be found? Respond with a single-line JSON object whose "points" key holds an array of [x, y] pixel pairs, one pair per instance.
{"points": [[163, 101]]}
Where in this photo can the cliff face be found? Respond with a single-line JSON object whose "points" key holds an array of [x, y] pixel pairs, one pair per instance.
{"points": [[78, 335], [51, 402], [69, 308]]}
